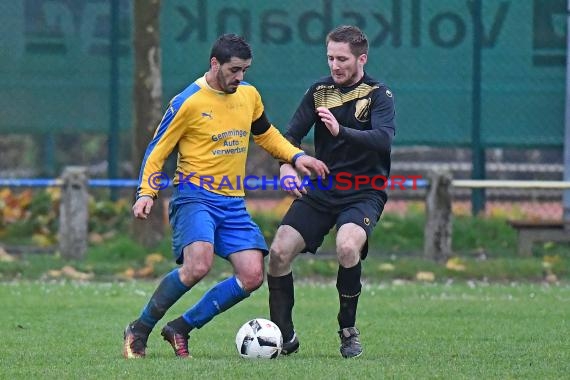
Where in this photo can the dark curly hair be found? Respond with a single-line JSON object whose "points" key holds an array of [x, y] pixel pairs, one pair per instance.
{"points": [[228, 46]]}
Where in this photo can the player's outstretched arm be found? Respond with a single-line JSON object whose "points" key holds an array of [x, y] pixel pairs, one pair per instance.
{"points": [[142, 207]]}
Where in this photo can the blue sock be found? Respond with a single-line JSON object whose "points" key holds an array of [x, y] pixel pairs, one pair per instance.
{"points": [[216, 300], [166, 294]]}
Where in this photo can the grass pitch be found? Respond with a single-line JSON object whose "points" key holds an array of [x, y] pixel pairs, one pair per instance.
{"points": [[69, 330]]}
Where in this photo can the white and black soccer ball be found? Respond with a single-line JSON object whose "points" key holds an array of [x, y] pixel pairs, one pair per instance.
{"points": [[259, 339]]}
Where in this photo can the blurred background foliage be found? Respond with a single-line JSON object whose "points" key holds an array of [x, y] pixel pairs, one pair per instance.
{"points": [[484, 247]]}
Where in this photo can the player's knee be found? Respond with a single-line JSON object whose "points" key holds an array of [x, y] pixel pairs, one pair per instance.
{"points": [[252, 279], [194, 272], [347, 252], [279, 256]]}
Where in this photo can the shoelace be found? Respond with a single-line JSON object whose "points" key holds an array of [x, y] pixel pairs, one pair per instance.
{"points": [[181, 344]]}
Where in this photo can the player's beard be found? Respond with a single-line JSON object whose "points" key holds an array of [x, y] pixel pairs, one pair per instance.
{"points": [[226, 87], [346, 81]]}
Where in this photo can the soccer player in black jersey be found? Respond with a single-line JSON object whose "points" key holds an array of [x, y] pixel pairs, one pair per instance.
{"points": [[354, 120]]}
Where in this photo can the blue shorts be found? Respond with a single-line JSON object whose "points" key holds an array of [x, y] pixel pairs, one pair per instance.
{"points": [[199, 215]]}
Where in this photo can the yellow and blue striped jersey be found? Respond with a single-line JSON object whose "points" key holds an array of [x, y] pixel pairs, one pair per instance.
{"points": [[212, 130]]}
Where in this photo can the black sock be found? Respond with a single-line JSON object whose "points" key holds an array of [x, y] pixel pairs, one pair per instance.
{"points": [[348, 286], [281, 301], [180, 325]]}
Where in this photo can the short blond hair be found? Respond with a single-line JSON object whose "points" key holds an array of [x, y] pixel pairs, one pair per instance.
{"points": [[353, 36]]}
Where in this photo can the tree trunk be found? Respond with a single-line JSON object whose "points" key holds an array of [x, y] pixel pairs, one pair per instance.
{"points": [[147, 97]]}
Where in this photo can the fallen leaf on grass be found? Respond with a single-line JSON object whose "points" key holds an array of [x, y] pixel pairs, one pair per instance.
{"points": [[153, 258], [71, 273], [96, 238], [145, 272], [131, 273], [128, 274], [386, 267], [455, 264], [41, 240], [549, 261], [425, 276]]}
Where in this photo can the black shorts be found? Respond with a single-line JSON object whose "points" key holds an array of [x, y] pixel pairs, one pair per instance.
{"points": [[314, 222]]}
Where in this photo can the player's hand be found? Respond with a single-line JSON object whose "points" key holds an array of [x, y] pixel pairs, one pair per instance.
{"points": [[305, 164], [290, 181], [142, 207], [330, 121]]}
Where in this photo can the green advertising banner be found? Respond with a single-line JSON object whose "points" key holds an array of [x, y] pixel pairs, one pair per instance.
{"points": [[54, 61]]}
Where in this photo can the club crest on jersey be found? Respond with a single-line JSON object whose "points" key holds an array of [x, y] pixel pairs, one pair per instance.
{"points": [[366, 221], [362, 110]]}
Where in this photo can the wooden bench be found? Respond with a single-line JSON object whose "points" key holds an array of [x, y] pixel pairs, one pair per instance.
{"points": [[532, 231]]}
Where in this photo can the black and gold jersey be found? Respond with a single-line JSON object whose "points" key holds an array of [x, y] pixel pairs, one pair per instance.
{"points": [[366, 114]]}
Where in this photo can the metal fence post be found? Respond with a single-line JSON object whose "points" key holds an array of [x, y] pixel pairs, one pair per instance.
{"points": [[73, 213], [437, 232], [566, 194], [477, 148]]}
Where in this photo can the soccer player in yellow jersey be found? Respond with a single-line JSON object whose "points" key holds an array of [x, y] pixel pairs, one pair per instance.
{"points": [[211, 123]]}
